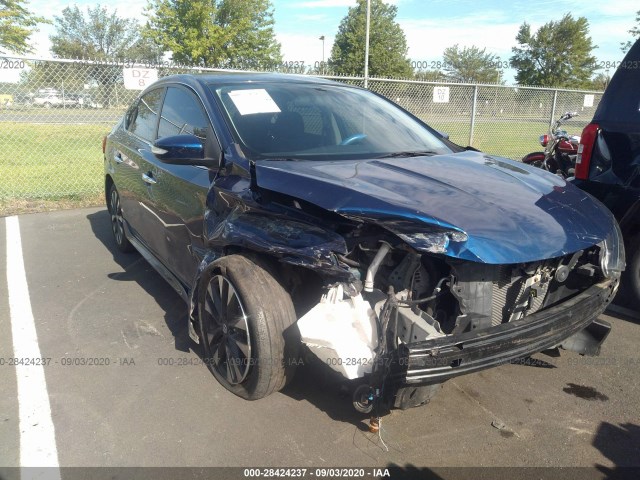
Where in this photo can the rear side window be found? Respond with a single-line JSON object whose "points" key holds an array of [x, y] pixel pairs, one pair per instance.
{"points": [[145, 117], [182, 113]]}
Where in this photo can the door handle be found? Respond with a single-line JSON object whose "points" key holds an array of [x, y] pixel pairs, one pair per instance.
{"points": [[117, 157], [148, 178]]}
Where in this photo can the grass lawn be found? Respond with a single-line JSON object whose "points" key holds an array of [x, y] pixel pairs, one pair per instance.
{"points": [[511, 139], [44, 165], [49, 163]]}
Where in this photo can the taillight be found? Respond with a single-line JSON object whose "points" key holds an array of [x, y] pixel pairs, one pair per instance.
{"points": [[104, 144], [544, 139], [585, 150]]}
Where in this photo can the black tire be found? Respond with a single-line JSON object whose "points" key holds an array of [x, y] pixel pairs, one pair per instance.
{"points": [[117, 221], [631, 276], [409, 397], [251, 344]]}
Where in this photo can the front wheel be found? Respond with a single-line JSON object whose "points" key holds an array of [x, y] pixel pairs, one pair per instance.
{"points": [[247, 327]]}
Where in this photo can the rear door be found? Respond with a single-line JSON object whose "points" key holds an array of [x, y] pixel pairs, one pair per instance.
{"points": [[135, 169]]}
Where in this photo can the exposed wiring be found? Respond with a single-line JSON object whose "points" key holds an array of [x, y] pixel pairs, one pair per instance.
{"points": [[419, 300], [436, 293]]}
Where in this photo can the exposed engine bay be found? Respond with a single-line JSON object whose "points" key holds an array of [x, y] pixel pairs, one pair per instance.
{"points": [[404, 297]]}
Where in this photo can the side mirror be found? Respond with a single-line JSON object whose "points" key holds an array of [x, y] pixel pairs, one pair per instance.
{"points": [[443, 134], [186, 150]]}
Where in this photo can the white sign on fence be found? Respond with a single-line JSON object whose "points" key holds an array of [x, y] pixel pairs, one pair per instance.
{"points": [[441, 95], [588, 100], [139, 78]]}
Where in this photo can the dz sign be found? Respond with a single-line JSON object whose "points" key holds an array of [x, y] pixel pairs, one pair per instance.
{"points": [[139, 78]]}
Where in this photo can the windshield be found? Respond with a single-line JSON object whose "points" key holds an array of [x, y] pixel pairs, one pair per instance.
{"points": [[321, 122]]}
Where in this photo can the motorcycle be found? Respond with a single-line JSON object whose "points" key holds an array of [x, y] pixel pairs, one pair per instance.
{"points": [[560, 150]]}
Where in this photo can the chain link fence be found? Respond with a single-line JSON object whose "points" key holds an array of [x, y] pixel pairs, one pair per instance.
{"points": [[54, 114]]}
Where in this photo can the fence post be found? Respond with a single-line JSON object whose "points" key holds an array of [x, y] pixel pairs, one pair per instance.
{"points": [[553, 107], [473, 114]]}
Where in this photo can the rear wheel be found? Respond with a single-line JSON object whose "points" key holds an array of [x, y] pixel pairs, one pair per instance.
{"points": [[246, 320], [117, 221]]}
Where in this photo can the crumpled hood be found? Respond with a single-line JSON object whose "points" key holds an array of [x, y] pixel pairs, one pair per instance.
{"points": [[511, 212]]}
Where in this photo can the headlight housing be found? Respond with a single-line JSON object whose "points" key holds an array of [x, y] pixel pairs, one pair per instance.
{"points": [[612, 260]]}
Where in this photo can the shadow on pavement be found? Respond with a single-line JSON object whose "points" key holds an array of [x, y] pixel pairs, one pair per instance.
{"points": [[136, 269], [623, 313], [621, 445], [327, 390], [314, 381]]}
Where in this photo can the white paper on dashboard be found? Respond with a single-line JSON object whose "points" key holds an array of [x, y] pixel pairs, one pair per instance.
{"points": [[255, 100]]}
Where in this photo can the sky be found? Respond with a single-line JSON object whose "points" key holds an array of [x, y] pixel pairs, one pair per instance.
{"points": [[430, 26]]}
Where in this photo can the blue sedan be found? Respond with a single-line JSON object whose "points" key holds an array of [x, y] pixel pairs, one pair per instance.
{"points": [[297, 214]]}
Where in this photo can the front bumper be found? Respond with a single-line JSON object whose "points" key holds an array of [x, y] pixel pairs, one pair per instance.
{"points": [[436, 360]]}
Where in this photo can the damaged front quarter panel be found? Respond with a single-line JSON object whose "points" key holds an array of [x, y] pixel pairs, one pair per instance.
{"points": [[236, 222], [290, 240]]}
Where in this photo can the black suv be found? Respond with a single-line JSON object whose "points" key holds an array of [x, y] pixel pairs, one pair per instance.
{"points": [[608, 162]]}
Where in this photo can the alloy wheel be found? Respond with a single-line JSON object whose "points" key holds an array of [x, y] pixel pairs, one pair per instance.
{"points": [[117, 224], [226, 331]]}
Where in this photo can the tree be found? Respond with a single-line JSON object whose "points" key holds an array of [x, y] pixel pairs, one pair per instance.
{"points": [[387, 46], [557, 55], [100, 35], [430, 76], [16, 25], [600, 81], [471, 65], [209, 33], [635, 34]]}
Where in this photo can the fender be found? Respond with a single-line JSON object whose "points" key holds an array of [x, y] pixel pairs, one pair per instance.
{"points": [[533, 157]]}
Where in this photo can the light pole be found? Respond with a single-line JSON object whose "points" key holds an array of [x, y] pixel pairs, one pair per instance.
{"points": [[322, 64], [366, 46]]}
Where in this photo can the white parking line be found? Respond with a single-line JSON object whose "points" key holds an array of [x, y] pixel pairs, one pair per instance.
{"points": [[37, 434]]}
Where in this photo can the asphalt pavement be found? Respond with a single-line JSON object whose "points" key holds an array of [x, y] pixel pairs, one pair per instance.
{"points": [[126, 387]]}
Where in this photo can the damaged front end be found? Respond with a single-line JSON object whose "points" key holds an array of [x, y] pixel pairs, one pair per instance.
{"points": [[412, 318], [401, 293]]}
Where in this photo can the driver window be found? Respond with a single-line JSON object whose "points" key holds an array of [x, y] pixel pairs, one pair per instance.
{"points": [[182, 114]]}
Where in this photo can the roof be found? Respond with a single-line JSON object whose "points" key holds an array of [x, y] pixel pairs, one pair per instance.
{"points": [[242, 77]]}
